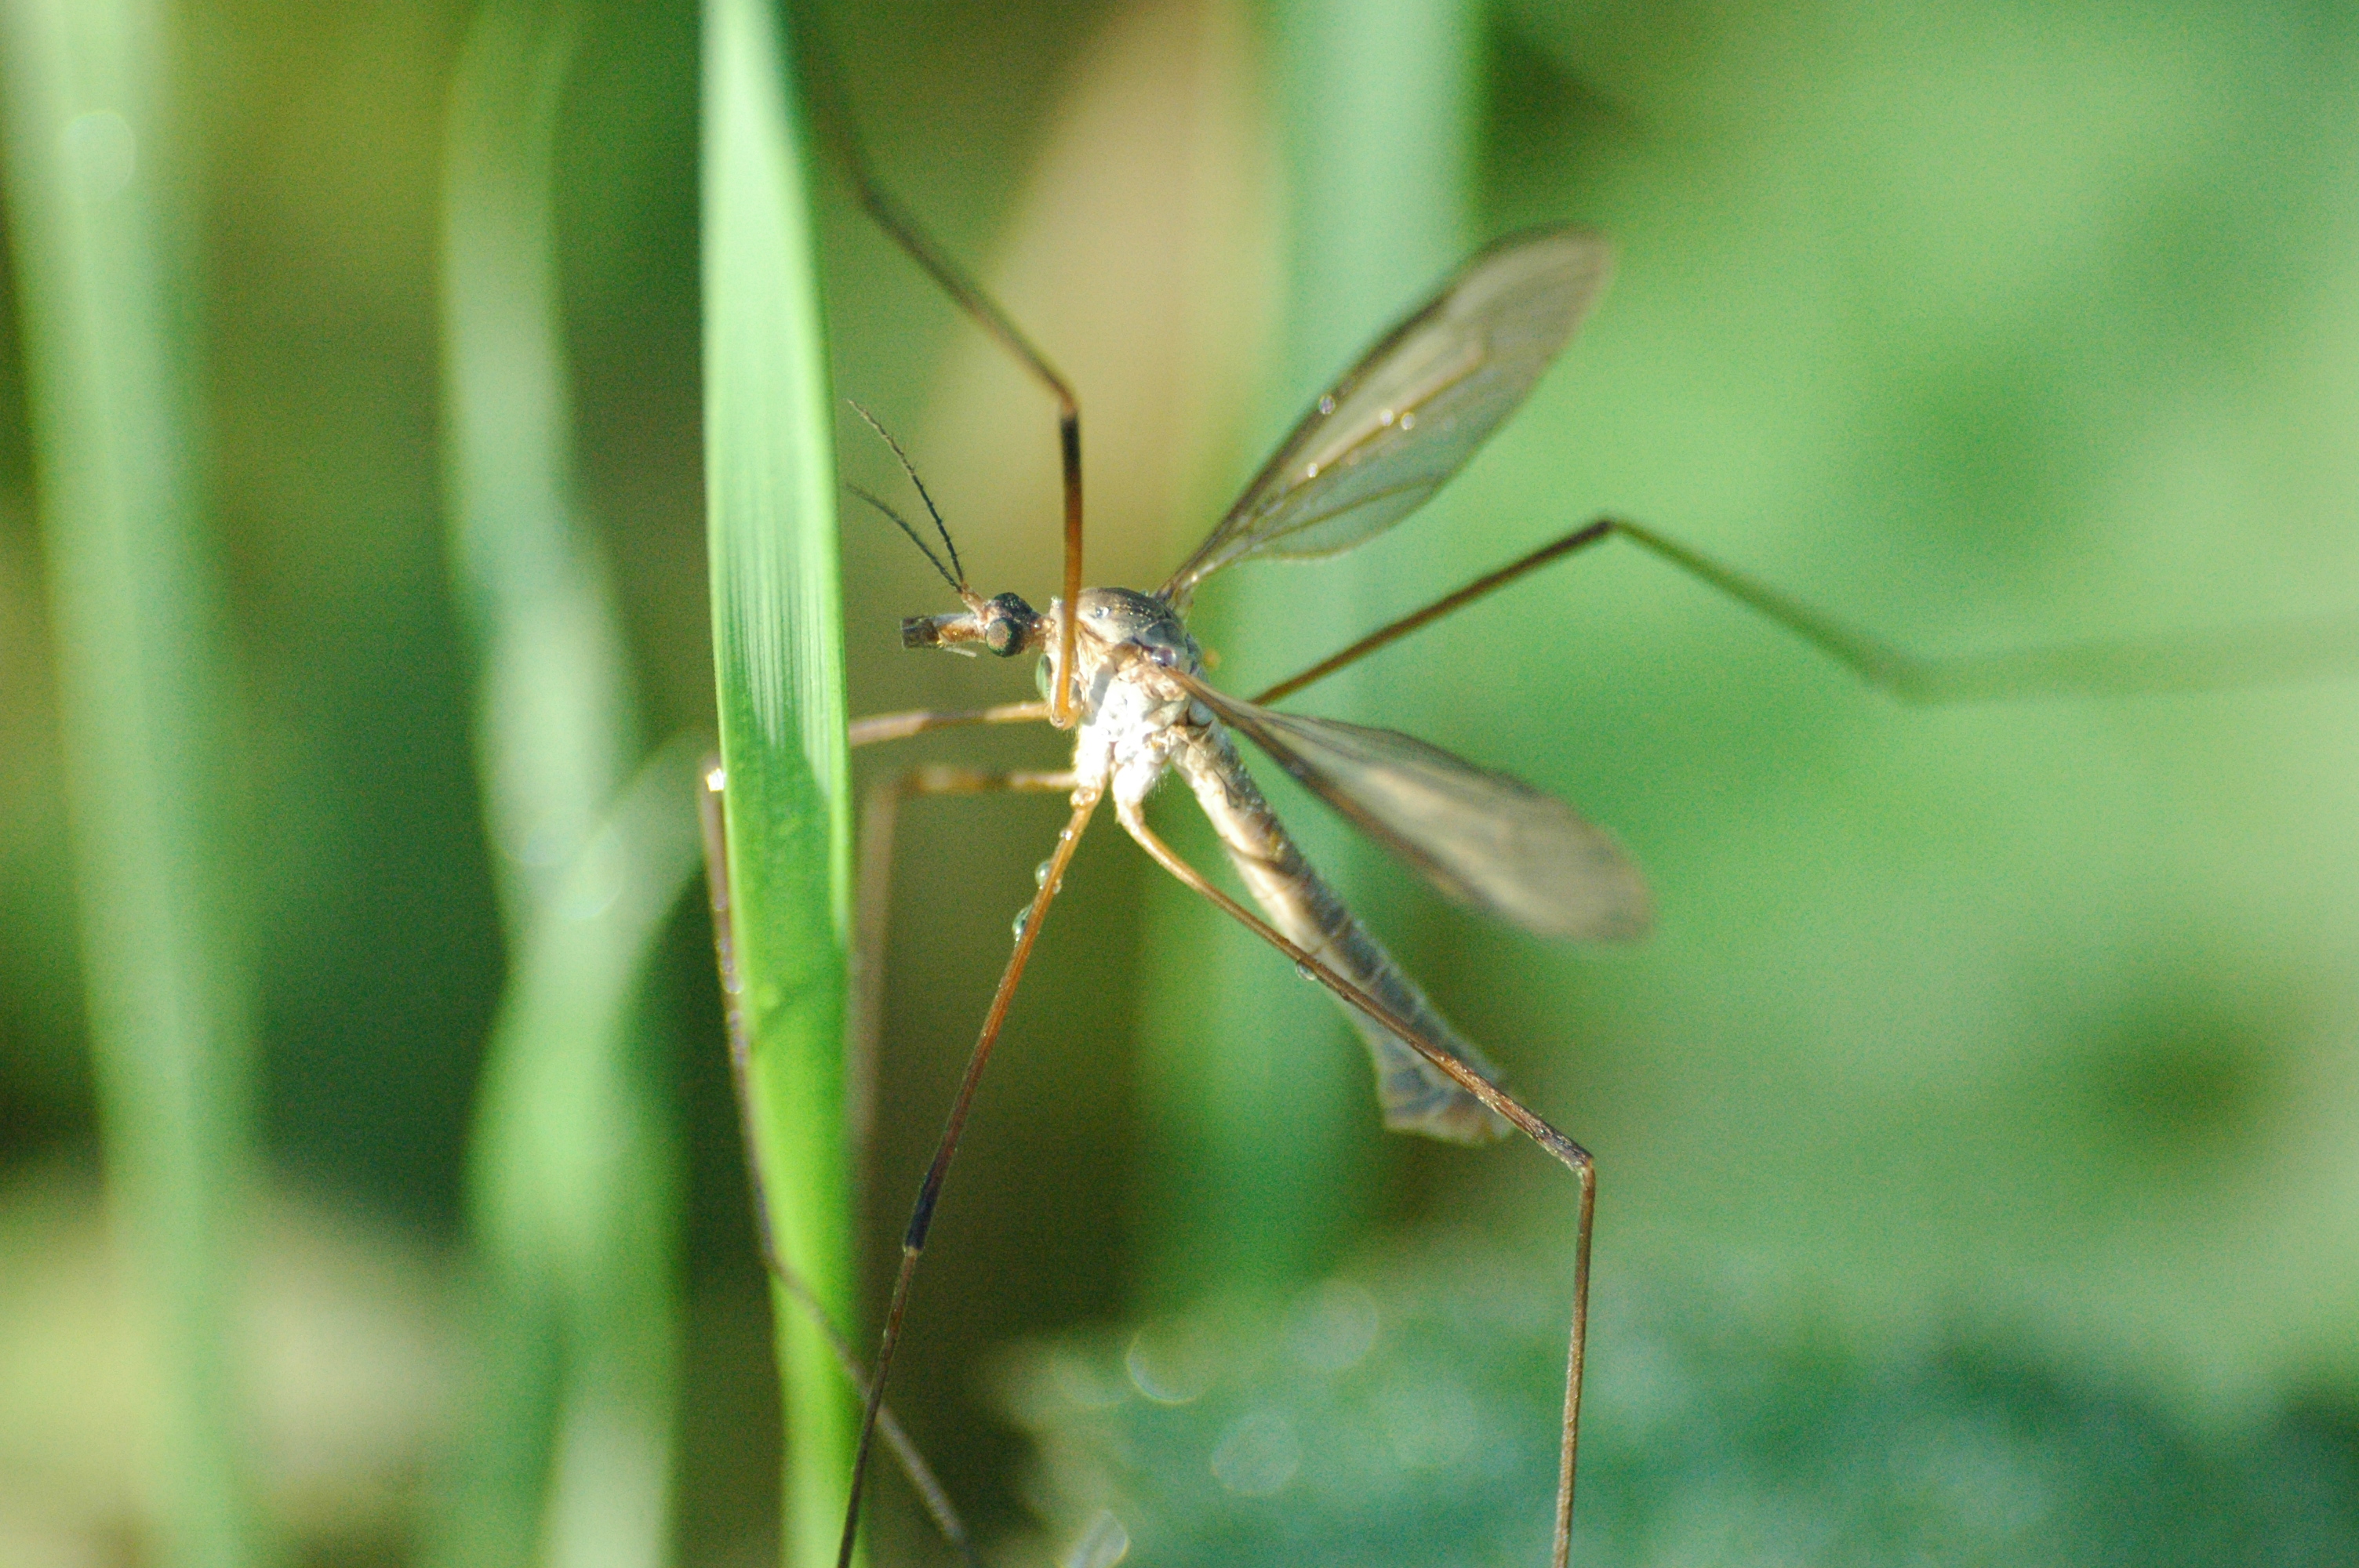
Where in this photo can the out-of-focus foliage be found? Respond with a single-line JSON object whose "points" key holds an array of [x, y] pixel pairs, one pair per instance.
{"points": [[1406, 1415], [574, 1178], [2023, 1027], [95, 140]]}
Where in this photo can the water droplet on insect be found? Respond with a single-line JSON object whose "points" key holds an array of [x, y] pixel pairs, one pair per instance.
{"points": [[1023, 918], [1041, 872], [1326, 405], [1383, 417], [1409, 422], [1307, 972]]}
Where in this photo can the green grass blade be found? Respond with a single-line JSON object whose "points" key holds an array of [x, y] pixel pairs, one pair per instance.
{"points": [[574, 1170], [777, 644], [1266, 1132], [148, 716]]}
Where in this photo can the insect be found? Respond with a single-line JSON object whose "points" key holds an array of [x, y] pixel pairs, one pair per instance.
{"points": [[1121, 671], [1119, 667]]}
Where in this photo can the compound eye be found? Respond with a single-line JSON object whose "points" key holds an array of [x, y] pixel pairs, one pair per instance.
{"points": [[1007, 625]]}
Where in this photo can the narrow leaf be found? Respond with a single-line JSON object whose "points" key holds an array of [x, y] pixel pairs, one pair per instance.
{"points": [[777, 648]]}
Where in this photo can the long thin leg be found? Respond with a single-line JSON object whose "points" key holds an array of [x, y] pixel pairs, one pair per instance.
{"points": [[872, 907], [929, 1192], [879, 727], [716, 871], [834, 104], [1489, 582], [2255, 656], [2249, 657], [1573, 1157]]}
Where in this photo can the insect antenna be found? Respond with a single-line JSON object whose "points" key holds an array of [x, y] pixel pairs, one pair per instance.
{"points": [[957, 585], [957, 567]]}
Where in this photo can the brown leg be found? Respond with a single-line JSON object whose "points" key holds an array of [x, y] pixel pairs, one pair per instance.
{"points": [[899, 726], [1570, 1154], [2246, 656], [921, 1475], [1578, 539], [834, 107], [2250, 656], [929, 1192], [872, 908]]}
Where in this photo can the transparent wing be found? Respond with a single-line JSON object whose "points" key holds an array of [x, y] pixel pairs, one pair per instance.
{"points": [[1416, 407], [1482, 837]]}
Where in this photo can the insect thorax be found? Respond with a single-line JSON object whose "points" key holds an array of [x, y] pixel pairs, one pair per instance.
{"points": [[1133, 711]]}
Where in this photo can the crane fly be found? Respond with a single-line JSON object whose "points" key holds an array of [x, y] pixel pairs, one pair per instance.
{"points": [[1119, 667]]}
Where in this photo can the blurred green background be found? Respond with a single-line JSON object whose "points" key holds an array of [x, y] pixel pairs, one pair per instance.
{"points": [[1986, 1061]]}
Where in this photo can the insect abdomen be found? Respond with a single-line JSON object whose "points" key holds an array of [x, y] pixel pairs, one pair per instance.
{"points": [[1417, 1095]]}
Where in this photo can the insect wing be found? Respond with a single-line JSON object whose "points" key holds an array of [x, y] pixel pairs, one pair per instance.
{"points": [[1482, 837], [1414, 409]]}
